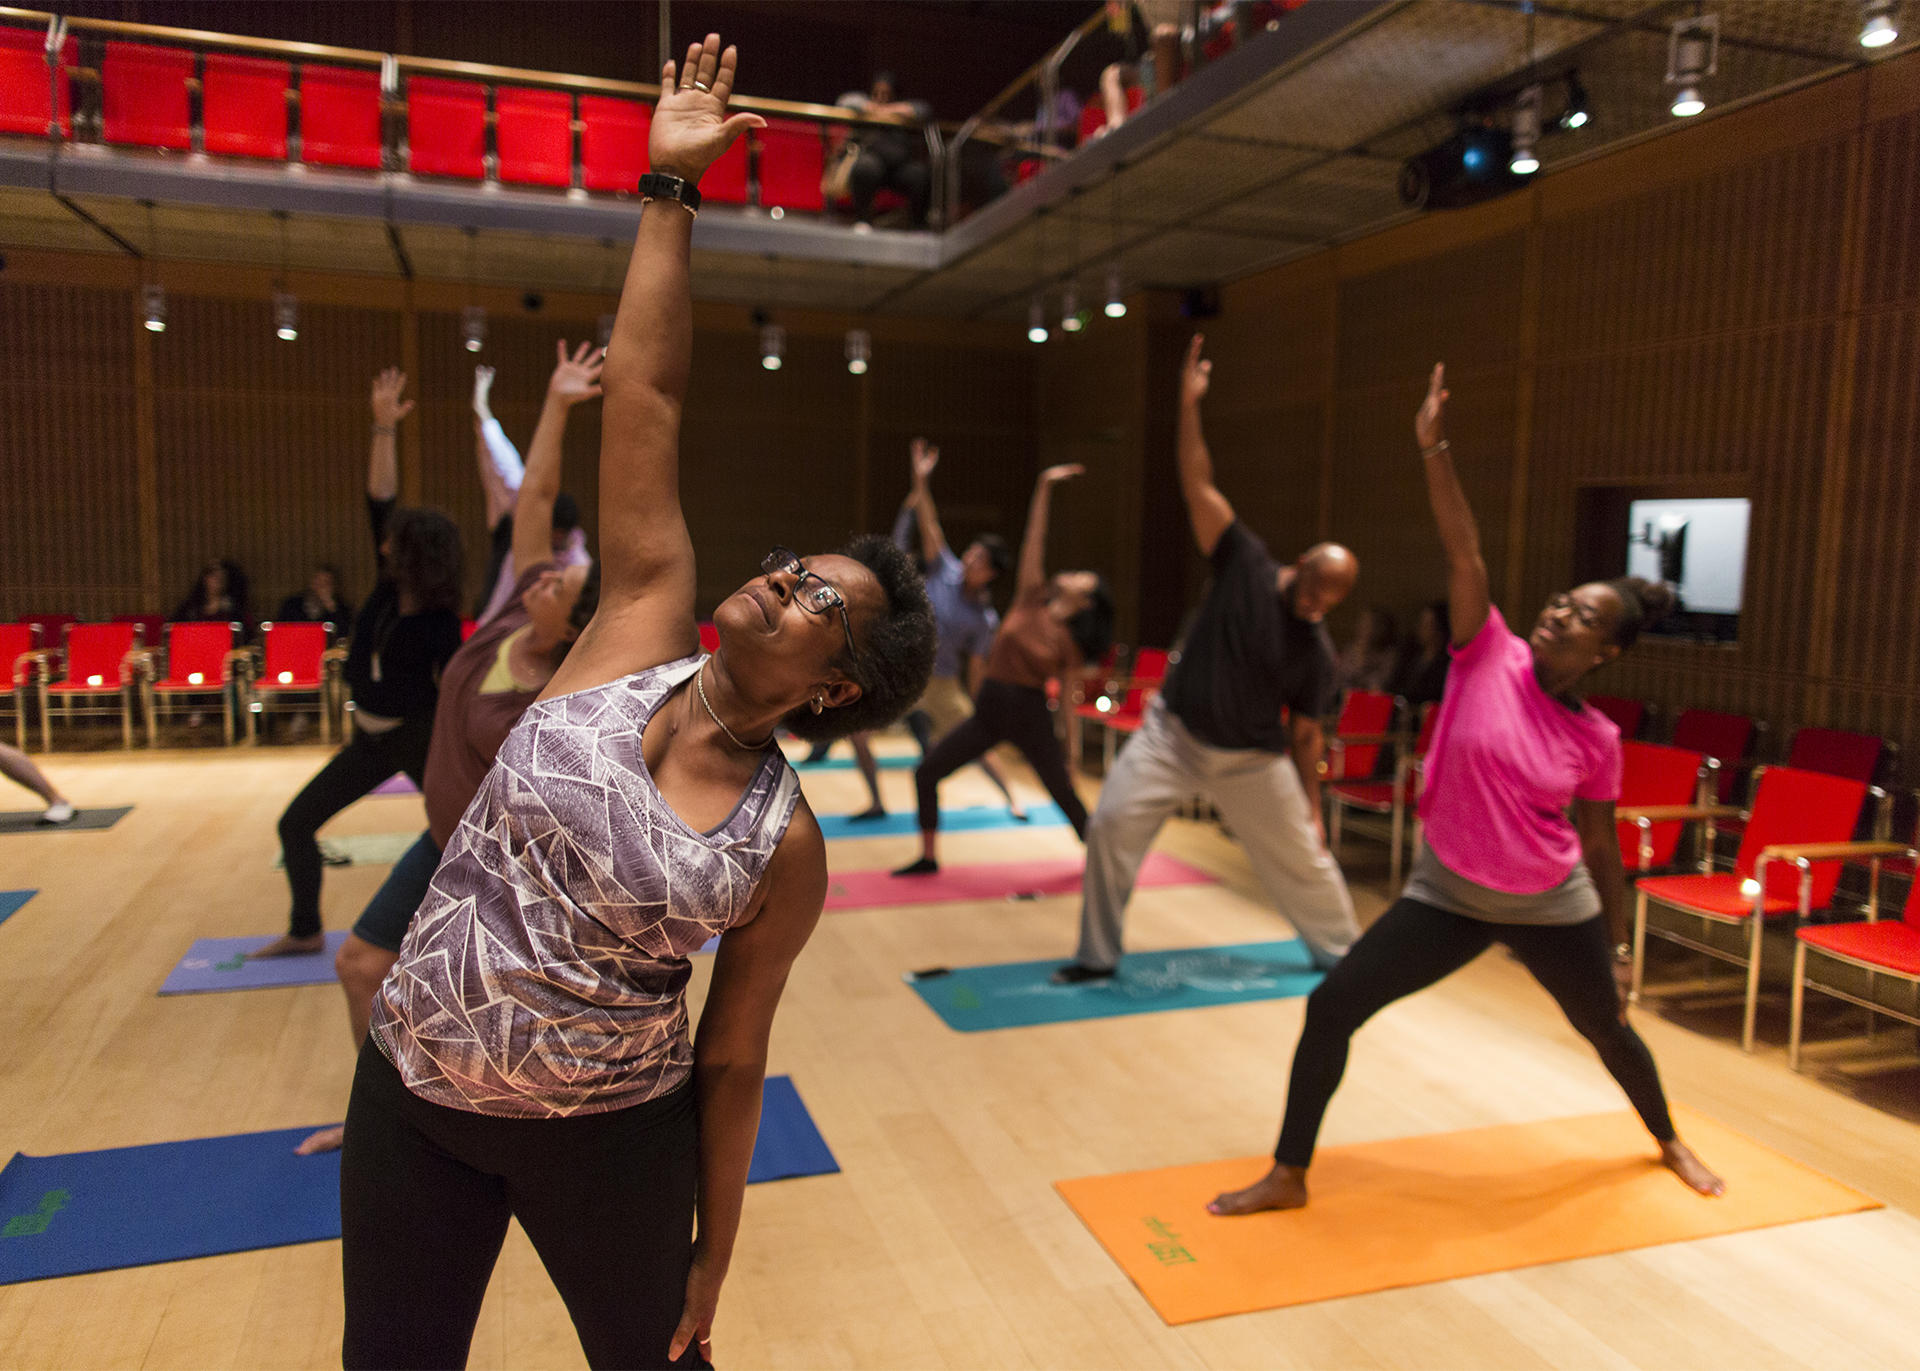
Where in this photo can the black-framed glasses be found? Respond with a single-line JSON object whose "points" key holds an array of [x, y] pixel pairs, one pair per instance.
{"points": [[822, 597], [1585, 616]]}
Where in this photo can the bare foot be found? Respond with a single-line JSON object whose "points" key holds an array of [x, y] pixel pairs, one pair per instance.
{"points": [[1678, 1158], [290, 946], [326, 1140], [1284, 1187]]}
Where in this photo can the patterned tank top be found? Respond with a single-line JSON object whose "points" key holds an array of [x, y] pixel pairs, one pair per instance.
{"points": [[545, 973]]}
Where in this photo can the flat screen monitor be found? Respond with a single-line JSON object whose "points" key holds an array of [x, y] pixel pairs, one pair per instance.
{"points": [[1698, 547]]}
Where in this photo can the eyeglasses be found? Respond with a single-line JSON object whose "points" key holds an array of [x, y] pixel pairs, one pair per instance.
{"points": [[1586, 616], [823, 598]]}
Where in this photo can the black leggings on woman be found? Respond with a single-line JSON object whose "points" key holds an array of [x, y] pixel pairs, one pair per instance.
{"points": [[1002, 713], [1412, 946], [352, 772], [426, 1191]]}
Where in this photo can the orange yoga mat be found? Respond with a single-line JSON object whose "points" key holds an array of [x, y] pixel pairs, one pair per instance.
{"points": [[1435, 1208]]}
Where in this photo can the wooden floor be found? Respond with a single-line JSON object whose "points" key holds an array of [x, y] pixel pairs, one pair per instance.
{"points": [[942, 1243]]}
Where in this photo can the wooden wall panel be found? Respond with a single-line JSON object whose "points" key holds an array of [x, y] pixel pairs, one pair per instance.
{"points": [[1892, 259]]}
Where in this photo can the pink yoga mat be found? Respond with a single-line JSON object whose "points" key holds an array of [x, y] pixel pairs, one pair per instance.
{"points": [[991, 881], [397, 784]]}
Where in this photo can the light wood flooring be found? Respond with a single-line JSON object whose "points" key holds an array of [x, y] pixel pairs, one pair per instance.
{"points": [[942, 1242]]}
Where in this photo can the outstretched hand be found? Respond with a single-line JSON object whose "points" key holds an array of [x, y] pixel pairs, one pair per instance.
{"points": [[1428, 425], [926, 456], [690, 124], [576, 378], [1197, 375], [1053, 476], [388, 408]]}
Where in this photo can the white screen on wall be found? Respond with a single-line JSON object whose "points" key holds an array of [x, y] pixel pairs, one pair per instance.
{"points": [[1698, 547]]}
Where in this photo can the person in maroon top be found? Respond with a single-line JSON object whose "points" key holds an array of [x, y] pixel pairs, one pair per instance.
{"points": [[1056, 623], [485, 688]]}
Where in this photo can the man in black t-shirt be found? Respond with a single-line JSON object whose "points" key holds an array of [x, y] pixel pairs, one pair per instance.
{"points": [[1237, 722]]}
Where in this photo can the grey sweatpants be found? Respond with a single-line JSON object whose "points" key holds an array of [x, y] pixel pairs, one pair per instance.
{"points": [[1260, 797]]}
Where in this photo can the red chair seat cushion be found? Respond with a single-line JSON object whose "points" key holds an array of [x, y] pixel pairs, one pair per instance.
{"points": [[1889, 944], [243, 105], [299, 682], [339, 117], [613, 142], [144, 95], [213, 685], [108, 686], [447, 127], [1718, 895], [534, 136], [26, 94]]}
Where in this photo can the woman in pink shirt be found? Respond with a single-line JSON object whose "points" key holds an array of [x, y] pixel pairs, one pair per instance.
{"points": [[1513, 748]]}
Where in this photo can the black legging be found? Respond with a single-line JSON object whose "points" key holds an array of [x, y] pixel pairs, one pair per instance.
{"points": [[426, 1191], [1412, 946], [352, 772], [1001, 714]]}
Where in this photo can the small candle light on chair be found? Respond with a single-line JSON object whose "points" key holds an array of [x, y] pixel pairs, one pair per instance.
{"points": [[1749, 888], [93, 680], [195, 678], [286, 678]]}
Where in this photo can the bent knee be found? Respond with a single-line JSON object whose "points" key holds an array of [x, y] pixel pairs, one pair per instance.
{"points": [[361, 965]]}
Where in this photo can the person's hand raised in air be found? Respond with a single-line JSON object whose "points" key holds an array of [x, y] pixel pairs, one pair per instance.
{"points": [[388, 408], [691, 128], [577, 377]]}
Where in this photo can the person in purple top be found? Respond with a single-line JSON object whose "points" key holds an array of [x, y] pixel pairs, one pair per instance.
{"points": [[532, 1055], [1514, 748]]}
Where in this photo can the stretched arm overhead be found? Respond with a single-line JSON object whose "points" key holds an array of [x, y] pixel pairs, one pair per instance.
{"points": [[933, 540], [383, 461], [647, 571], [574, 379], [1207, 508], [1033, 548], [1468, 595], [500, 468]]}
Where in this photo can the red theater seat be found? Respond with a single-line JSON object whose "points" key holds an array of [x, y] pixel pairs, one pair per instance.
{"points": [[1653, 775], [613, 142], [294, 670], [446, 127], [1723, 737], [243, 106], [144, 95], [339, 117], [1628, 714], [793, 158], [1878, 946], [199, 667], [27, 96], [533, 132], [98, 666], [19, 656], [726, 180]]}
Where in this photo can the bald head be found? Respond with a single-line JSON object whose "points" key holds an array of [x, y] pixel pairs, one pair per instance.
{"points": [[1323, 577]]}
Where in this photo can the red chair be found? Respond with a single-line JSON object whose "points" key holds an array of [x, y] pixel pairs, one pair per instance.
{"points": [[613, 142], [51, 631], [726, 180], [1832, 752], [1723, 737], [1393, 798], [1878, 947], [446, 127], [1366, 721], [533, 133], [200, 662], [709, 637], [99, 665], [294, 671], [144, 95], [1628, 714], [31, 101], [1122, 707], [1791, 807], [243, 106], [1653, 776], [339, 117], [793, 158], [1093, 114], [152, 627], [20, 661]]}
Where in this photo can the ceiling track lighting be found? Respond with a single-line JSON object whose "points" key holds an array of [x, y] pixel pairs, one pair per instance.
{"points": [[153, 308], [1037, 318], [1577, 111], [773, 346], [1877, 26], [1693, 55], [1525, 130], [1071, 319], [1116, 306], [473, 328], [286, 316], [859, 350]]}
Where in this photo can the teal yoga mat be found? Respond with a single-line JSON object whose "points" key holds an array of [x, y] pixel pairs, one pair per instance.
{"points": [[972, 999], [902, 823], [894, 761], [11, 902]]}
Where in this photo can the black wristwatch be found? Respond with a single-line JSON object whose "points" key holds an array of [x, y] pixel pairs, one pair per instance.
{"points": [[657, 185]]}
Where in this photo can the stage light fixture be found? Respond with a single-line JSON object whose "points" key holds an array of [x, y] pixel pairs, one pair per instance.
{"points": [[1877, 28], [473, 327], [1524, 160], [1116, 307], [1071, 319], [1578, 110], [1693, 54], [286, 316], [773, 346], [153, 307], [1037, 320], [859, 350]]}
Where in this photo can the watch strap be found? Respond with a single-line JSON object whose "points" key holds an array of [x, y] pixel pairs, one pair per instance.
{"points": [[656, 185]]}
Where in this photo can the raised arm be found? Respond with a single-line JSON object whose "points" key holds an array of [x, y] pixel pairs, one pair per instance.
{"points": [[647, 571], [383, 461], [501, 470], [575, 378], [933, 540], [1033, 548], [1207, 508], [1467, 588]]}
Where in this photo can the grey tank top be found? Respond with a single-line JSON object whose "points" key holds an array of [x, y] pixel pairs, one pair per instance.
{"points": [[545, 973], [1575, 900]]}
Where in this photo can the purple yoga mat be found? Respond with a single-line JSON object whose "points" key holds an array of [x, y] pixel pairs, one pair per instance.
{"points": [[214, 964], [397, 784]]}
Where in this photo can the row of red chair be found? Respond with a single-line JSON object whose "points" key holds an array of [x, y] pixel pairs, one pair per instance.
{"points": [[245, 104]]}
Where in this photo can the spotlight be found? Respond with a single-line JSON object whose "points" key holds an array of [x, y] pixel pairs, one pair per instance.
{"points": [[605, 331], [1693, 54], [1037, 320], [1477, 163], [773, 346], [1524, 161], [286, 317], [1116, 307], [153, 305], [1577, 112], [473, 327], [1071, 319], [1877, 28], [859, 350]]}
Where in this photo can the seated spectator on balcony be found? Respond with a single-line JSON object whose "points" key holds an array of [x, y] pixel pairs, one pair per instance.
{"points": [[1133, 55], [889, 158], [320, 603], [219, 594]]}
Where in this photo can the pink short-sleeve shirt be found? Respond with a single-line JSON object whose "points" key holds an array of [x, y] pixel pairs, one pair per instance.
{"points": [[1505, 762]]}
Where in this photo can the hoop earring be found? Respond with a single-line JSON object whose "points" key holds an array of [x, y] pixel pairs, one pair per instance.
{"points": [[818, 704]]}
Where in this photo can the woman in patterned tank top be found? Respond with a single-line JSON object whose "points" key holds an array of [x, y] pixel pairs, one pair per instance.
{"points": [[531, 1054]]}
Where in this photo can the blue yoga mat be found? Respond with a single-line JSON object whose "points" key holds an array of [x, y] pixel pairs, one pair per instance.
{"points": [[134, 1206], [902, 823], [1020, 995], [214, 964], [889, 761], [11, 902]]}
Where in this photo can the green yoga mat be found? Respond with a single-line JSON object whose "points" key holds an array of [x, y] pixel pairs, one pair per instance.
{"points": [[364, 849]]}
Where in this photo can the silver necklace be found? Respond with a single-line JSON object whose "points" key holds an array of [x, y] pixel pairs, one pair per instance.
{"points": [[700, 687]]}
